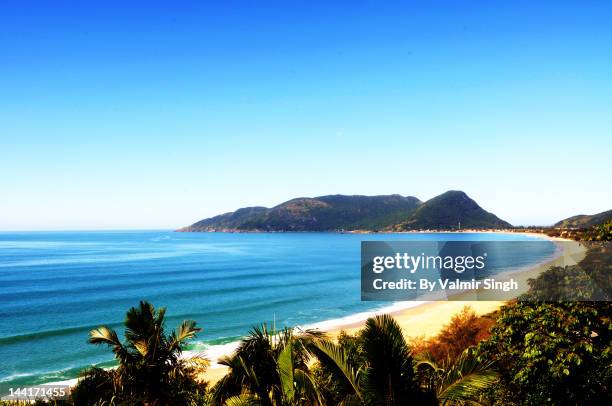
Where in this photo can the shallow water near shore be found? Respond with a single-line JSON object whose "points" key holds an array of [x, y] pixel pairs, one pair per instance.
{"points": [[56, 286]]}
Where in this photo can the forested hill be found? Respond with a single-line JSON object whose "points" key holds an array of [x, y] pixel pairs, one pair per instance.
{"points": [[584, 220], [372, 213]]}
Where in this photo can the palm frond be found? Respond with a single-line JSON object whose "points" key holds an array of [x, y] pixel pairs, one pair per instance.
{"points": [[426, 361], [142, 346], [469, 388], [227, 360], [307, 387], [465, 380], [197, 361], [161, 315], [389, 375], [244, 400], [333, 357], [230, 385], [140, 323], [350, 400], [285, 371], [186, 331], [108, 336], [104, 335]]}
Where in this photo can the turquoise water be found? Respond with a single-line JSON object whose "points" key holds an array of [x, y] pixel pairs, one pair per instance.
{"points": [[56, 286]]}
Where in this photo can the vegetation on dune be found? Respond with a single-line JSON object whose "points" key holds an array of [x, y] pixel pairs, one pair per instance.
{"points": [[286, 368], [534, 354], [464, 330], [600, 232], [556, 353], [378, 370], [378, 367], [554, 346], [597, 232], [589, 280]]}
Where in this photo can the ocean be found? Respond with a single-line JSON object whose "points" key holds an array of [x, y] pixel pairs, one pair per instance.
{"points": [[56, 286]]}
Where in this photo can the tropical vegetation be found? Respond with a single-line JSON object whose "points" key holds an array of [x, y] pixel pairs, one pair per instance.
{"points": [[534, 353], [150, 367], [269, 368], [557, 353]]}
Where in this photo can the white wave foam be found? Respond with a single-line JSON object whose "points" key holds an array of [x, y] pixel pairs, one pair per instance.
{"points": [[214, 352], [15, 376], [356, 318]]}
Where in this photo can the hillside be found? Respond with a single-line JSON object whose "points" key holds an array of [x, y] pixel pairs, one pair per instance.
{"points": [[341, 212], [584, 220], [324, 213], [448, 211]]}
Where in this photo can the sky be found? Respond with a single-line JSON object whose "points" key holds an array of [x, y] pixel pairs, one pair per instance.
{"points": [[153, 115]]}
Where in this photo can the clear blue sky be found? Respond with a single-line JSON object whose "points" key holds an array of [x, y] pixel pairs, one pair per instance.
{"points": [[153, 115]]}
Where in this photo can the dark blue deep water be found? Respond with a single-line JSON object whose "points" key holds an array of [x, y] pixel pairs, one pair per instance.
{"points": [[56, 286]]}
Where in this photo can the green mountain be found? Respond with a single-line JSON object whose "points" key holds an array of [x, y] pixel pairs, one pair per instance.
{"points": [[340, 212], [324, 213], [451, 210], [584, 220]]}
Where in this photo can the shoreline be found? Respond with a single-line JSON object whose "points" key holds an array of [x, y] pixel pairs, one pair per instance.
{"points": [[427, 318], [423, 231], [416, 318]]}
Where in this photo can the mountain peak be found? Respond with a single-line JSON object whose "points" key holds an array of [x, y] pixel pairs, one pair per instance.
{"points": [[452, 209]]}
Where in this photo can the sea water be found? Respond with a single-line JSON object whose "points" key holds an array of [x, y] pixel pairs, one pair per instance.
{"points": [[57, 286]]}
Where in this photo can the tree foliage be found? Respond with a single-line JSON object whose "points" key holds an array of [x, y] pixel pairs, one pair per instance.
{"points": [[552, 353], [462, 380], [269, 368], [150, 368], [600, 232], [374, 368], [589, 280], [464, 330]]}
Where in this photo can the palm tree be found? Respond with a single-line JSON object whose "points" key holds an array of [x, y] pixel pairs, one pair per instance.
{"points": [[270, 369], [150, 370], [386, 377], [460, 382], [389, 375]]}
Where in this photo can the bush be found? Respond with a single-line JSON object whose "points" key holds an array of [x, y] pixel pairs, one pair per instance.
{"points": [[465, 329], [552, 353]]}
